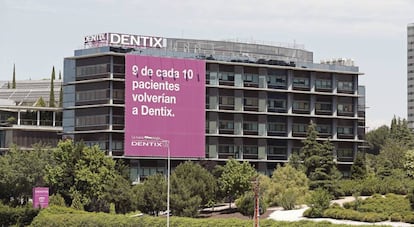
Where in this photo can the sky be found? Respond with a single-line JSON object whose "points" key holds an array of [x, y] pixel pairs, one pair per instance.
{"points": [[36, 35]]}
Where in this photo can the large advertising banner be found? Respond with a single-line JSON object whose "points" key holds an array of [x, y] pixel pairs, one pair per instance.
{"points": [[164, 107], [40, 197]]}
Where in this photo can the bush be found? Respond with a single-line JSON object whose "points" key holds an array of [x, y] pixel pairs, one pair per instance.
{"points": [[288, 199], [409, 218], [318, 202], [396, 217], [245, 204], [20, 216], [56, 200]]}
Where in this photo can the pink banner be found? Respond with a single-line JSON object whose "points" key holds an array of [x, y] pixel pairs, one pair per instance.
{"points": [[164, 107], [40, 197]]}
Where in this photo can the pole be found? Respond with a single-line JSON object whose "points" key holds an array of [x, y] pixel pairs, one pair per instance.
{"points": [[168, 184], [256, 203]]}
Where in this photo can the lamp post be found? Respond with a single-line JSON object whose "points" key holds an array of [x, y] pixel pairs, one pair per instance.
{"points": [[166, 143]]}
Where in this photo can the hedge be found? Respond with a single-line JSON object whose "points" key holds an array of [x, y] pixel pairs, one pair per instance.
{"points": [[20, 216], [55, 216]]}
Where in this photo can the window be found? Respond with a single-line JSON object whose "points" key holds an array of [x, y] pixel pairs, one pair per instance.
{"points": [[275, 105], [346, 130], [301, 105], [323, 129], [251, 102], [276, 152], [345, 108], [96, 120], [300, 128], [226, 125], [88, 70], [250, 149], [226, 78], [345, 154], [323, 84], [345, 86], [278, 81], [324, 107], [226, 101], [250, 126], [251, 80], [92, 95], [301, 82], [276, 127]]}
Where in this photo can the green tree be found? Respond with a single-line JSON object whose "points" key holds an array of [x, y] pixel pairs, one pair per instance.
{"points": [[76, 201], [40, 102], [393, 150], [400, 132], [8, 85], [192, 184], [376, 139], [150, 196], [236, 179], [52, 89], [289, 187], [60, 75], [318, 161], [358, 168], [296, 162], [409, 163], [21, 171], [245, 204], [61, 96], [93, 172], [60, 173], [14, 77], [57, 200]]}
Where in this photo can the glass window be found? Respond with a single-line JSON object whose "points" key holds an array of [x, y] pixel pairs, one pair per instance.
{"points": [[249, 101], [226, 76], [91, 70], [226, 125], [95, 120], [301, 105], [345, 108], [226, 100], [250, 126], [276, 81], [249, 149], [251, 78], [346, 130], [276, 104], [323, 84], [277, 127], [301, 82], [323, 129], [345, 86], [299, 128], [323, 106]]}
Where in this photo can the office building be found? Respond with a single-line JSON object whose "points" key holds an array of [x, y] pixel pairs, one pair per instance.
{"points": [[258, 100]]}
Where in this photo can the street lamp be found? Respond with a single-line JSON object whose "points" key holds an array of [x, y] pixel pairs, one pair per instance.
{"points": [[166, 143]]}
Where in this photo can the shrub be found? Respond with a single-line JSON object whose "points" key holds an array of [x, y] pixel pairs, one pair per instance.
{"points": [[245, 204], [409, 218], [374, 217], [20, 216], [396, 217], [288, 198], [57, 200], [318, 201]]}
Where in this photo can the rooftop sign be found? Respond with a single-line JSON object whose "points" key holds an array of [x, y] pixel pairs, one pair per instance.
{"points": [[124, 40]]}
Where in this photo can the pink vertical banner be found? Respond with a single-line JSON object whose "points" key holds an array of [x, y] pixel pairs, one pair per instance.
{"points": [[40, 197]]}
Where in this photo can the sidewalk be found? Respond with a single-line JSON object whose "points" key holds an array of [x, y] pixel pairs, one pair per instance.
{"points": [[296, 215]]}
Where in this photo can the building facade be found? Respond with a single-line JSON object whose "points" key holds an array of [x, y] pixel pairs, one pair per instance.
{"points": [[23, 121], [410, 75], [259, 100]]}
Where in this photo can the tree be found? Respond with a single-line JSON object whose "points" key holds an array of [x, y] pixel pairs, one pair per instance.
{"points": [[400, 132], [393, 150], [52, 89], [289, 187], [245, 204], [60, 75], [60, 172], [409, 163], [8, 85], [318, 202], [318, 161], [61, 96], [150, 196], [236, 179], [296, 162], [376, 139], [14, 77], [21, 171], [192, 186], [40, 102], [358, 168]]}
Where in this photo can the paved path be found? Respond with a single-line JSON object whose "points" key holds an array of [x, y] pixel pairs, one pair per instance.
{"points": [[296, 215]]}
